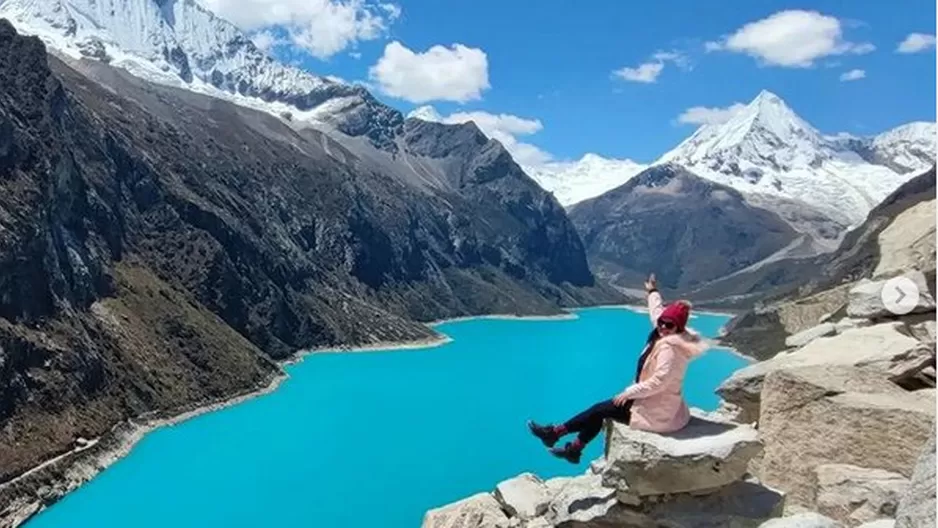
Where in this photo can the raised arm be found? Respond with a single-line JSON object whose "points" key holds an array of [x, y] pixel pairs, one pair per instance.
{"points": [[655, 307], [655, 303]]}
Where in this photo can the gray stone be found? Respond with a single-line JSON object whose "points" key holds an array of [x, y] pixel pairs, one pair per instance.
{"points": [[803, 338], [846, 324], [743, 504], [556, 484], [865, 300], [924, 331], [837, 415], [740, 505], [803, 520], [478, 511], [581, 500], [881, 523], [705, 454], [855, 495], [885, 347], [524, 496], [917, 506]]}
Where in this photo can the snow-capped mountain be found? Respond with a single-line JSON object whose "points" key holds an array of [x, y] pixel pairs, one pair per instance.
{"points": [[180, 43], [906, 148], [592, 175], [768, 150]]}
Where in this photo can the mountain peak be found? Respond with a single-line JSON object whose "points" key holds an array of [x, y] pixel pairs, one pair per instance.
{"points": [[183, 44], [767, 97], [767, 133]]}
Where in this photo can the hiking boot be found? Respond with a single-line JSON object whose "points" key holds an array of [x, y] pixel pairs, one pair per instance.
{"points": [[546, 433], [570, 452]]}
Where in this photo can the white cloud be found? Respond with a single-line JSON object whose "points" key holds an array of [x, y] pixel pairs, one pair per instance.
{"points": [[504, 128], [853, 75], [793, 39], [916, 42], [457, 73], [702, 115], [644, 73], [393, 10], [649, 71], [320, 27]]}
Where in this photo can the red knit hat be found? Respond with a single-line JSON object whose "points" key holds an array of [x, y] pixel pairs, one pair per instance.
{"points": [[678, 313]]}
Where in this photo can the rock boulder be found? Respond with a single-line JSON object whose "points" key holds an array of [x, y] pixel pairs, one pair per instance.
{"points": [[865, 299], [524, 496], [838, 415], [887, 348], [855, 495], [803, 338], [478, 511], [739, 505], [917, 507], [580, 501], [706, 454]]}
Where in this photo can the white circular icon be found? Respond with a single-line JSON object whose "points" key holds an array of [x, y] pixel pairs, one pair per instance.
{"points": [[900, 295]]}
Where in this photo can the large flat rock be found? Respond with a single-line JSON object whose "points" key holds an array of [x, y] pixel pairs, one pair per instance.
{"points": [[838, 415], [704, 455], [917, 506], [888, 348], [477, 511], [855, 495]]}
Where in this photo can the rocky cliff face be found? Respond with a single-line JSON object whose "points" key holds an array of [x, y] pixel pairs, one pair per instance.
{"points": [[159, 248], [688, 230]]}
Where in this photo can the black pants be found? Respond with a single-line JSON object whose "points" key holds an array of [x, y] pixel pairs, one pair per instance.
{"points": [[589, 423]]}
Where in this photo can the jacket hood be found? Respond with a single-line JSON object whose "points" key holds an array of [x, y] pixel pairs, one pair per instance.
{"points": [[688, 342]]}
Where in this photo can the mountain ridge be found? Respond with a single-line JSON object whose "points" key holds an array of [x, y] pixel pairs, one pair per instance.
{"points": [[687, 229], [161, 249], [767, 149]]}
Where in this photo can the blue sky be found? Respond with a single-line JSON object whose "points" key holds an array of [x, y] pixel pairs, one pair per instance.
{"points": [[550, 63]]}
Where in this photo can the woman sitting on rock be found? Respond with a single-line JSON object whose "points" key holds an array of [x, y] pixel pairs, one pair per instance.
{"points": [[655, 401]]}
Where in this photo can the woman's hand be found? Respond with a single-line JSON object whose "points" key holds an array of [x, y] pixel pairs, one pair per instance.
{"points": [[620, 399], [651, 283]]}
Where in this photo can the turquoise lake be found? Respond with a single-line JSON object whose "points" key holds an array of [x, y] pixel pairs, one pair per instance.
{"points": [[374, 439]]}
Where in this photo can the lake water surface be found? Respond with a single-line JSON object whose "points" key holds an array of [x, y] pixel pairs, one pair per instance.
{"points": [[374, 439]]}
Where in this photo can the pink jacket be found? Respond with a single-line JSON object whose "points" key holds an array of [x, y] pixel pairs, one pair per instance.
{"points": [[659, 404]]}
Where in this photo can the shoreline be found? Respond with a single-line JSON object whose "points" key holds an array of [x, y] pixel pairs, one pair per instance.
{"points": [[568, 316], [85, 463], [380, 346]]}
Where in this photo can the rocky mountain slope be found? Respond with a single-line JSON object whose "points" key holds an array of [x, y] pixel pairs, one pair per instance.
{"points": [[898, 236], [160, 248], [686, 229]]}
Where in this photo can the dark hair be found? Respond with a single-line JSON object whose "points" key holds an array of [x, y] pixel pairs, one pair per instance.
{"points": [[649, 345]]}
